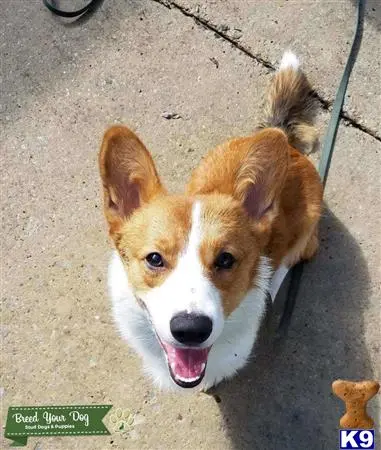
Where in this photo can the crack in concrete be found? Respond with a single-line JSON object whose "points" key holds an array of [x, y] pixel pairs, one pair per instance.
{"points": [[325, 104]]}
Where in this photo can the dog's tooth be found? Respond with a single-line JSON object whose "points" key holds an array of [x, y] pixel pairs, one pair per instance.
{"points": [[173, 366], [203, 366], [187, 380]]}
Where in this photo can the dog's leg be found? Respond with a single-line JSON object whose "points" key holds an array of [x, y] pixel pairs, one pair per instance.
{"points": [[312, 246], [305, 248]]}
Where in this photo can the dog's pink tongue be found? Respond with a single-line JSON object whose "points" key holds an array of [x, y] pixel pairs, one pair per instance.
{"points": [[187, 363]]}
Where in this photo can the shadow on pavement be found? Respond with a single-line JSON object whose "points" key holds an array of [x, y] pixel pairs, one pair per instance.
{"points": [[282, 399]]}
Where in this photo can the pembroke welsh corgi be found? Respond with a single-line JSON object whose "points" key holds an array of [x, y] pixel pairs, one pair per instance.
{"points": [[190, 273]]}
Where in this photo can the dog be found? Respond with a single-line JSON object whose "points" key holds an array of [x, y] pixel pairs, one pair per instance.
{"points": [[190, 273]]}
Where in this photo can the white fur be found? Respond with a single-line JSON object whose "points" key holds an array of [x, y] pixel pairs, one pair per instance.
{"points": [[289, 60], [187, 289], [277, 280]]}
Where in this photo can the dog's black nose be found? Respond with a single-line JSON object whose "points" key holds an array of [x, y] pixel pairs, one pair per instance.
{"points": [[190, 329]]}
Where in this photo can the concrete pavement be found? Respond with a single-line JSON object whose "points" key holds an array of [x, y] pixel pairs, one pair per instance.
{"points": [[132, 62]]}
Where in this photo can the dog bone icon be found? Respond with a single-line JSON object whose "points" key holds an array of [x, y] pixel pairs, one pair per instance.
{"points": [[355, 396]]}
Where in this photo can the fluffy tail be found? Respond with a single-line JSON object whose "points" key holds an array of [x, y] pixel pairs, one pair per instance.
{"points": [[290, 104]]}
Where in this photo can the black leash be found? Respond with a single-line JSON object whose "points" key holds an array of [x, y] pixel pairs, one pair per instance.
{"points": [[59, 12], [325, 162]]}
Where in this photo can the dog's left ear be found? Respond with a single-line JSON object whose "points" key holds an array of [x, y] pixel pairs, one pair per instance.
{"points": [[261, 177], [128, 175], [252, 170]]}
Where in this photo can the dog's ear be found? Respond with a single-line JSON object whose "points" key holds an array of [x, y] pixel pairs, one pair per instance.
{"points": [[253, 170], [262, 174], [128, 175]]}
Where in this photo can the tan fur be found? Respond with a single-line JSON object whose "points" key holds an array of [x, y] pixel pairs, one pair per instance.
{"points": [[281, 221], [300, 210], [291, 106], [227, 228], [294, 183], [161, 226], [125, 165]]}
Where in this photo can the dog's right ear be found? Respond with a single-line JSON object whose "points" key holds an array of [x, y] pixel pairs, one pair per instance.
{"points": [[128, 175], [252, 170]]}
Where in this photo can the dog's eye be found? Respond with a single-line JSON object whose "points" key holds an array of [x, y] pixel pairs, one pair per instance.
{"points": [[155, 260], [224, 260]]}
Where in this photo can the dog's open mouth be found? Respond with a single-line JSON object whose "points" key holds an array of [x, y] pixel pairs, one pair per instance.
{"points": [[186, 365]]}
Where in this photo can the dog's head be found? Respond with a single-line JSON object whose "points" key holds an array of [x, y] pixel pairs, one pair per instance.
{"points": [[192, 258]]}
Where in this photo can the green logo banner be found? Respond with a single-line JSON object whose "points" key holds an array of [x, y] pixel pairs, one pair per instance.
{"points": [[77, 420]]}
